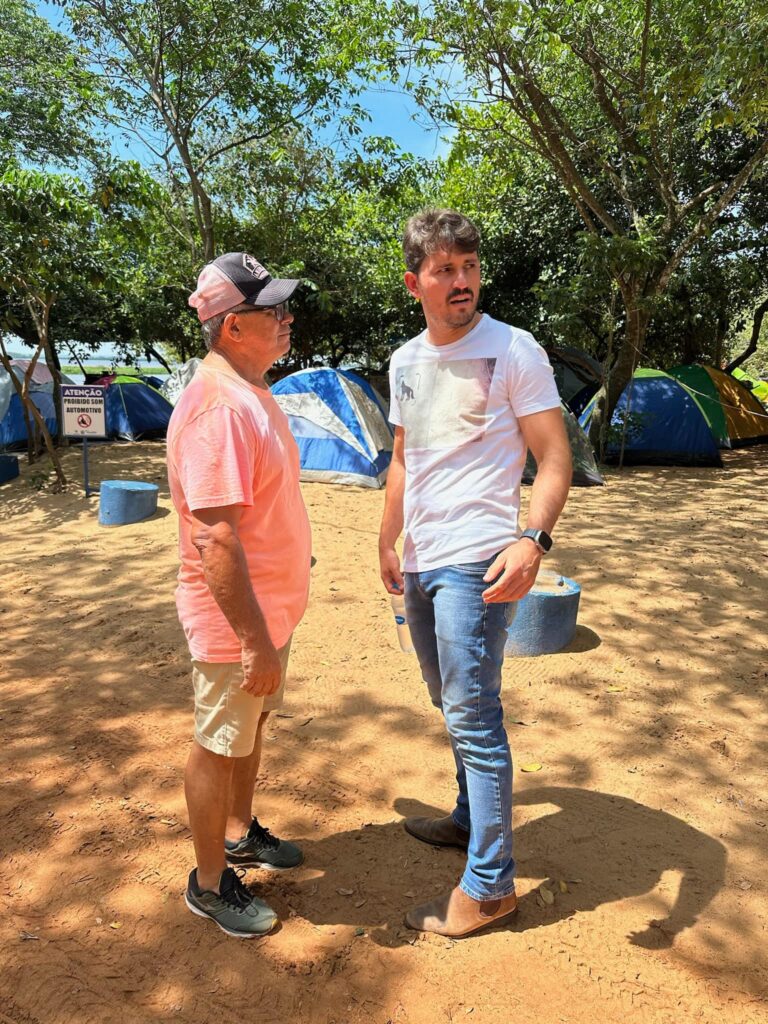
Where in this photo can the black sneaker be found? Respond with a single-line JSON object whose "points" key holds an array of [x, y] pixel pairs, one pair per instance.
{"points": [[234, 909], [260, 849]]}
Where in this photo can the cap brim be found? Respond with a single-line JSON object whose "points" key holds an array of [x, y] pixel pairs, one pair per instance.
{"points": [[279, 289]]}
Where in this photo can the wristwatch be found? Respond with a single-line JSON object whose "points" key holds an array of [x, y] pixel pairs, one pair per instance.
{"points": [[540, 538]]}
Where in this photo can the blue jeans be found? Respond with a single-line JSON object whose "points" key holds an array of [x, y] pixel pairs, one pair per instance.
{"points": [[459, 642]]}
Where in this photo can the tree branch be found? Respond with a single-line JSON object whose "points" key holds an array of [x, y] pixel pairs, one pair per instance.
{"points": [[708, 219], [757, 324]]}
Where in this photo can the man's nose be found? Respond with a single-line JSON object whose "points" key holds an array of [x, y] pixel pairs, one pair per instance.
{"points": [[460, 281], [288, 318]]}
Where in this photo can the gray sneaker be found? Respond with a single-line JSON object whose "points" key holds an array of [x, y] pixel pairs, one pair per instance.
{"points": [[260, 849], [234, 909]]}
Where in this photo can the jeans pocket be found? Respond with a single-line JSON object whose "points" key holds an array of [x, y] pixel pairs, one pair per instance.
{"points": [[474, 568]]}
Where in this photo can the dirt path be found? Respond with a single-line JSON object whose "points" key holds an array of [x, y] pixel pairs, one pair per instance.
{"points": [[650, 806]]}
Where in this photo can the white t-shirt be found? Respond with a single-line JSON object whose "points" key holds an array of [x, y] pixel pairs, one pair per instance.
{"points": [[464, 452]]}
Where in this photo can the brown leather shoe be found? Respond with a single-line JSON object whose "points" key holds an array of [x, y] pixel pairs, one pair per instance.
{"points": [[455, 914], [437, 831]]}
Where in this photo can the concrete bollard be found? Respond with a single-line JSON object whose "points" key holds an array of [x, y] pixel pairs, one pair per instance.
{"points": [[126, 501], [9, 468], [545, 620]]}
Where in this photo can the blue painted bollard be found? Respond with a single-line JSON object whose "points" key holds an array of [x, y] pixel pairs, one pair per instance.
{"points": [[9, 467], [126, 501], [545, 621]]}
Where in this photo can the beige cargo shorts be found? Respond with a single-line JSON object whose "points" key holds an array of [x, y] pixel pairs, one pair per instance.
{"points": [[226, 717]]}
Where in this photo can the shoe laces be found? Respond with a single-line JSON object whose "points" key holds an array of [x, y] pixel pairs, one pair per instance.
{"points": [[263, 835], [233, 890]]}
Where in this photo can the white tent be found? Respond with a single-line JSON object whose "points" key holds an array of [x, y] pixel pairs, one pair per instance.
{"points": [[178, 380]]}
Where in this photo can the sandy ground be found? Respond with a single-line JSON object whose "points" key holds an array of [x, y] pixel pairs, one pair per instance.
{"points": [[650, 805]]}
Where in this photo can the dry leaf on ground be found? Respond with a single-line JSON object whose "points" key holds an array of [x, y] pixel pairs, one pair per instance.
{"points": [[547, 895]]}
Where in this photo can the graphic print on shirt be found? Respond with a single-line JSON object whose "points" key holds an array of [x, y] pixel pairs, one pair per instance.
{"points": [[444, 404]]}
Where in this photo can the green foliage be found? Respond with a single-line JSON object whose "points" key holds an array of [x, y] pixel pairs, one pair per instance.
{"points": [[47, 223], [48, 99], [198, 80], [337, 226], [651, 118]]}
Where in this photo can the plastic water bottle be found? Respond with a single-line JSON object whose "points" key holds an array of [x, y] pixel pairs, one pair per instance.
{"points": [[403, 632]]}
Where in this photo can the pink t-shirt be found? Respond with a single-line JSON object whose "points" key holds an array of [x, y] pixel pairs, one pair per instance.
{"points": [[229, 443]]}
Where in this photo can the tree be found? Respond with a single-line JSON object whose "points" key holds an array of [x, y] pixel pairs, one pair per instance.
{"points": [[651, 116], [58, 233], [335, 224], [48, 99], [198, 80]]}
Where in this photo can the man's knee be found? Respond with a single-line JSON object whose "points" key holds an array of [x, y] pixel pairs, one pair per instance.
{"points": [[202, 757]]}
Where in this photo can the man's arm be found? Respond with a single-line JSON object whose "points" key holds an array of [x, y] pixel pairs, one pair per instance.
{"points": [[392, 519], [214, 534], [544, 433]]}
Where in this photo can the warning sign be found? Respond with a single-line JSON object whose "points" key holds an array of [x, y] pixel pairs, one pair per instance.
{"points": [[83, 408]]}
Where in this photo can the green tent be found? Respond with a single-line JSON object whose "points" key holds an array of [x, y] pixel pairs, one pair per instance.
{"points": [[585, 471], [697, 380], [725, 400], [759, 388]]}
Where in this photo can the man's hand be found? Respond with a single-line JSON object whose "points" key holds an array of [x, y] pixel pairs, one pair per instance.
{"points": [[391, 576], [262, 672], [518, 565]]}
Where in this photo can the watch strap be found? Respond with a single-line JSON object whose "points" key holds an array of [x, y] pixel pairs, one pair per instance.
{"points": [[540, 538]]}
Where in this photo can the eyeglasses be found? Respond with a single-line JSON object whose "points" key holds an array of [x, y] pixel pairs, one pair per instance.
{"points": [[279, 312]]}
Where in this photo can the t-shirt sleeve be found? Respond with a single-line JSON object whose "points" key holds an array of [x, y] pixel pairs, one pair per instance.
{"points": [[394, 405], [530, 380], [216, 459]]}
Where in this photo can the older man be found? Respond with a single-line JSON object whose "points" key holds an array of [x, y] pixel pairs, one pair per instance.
{"points": [[233, 468], [469, 396]]}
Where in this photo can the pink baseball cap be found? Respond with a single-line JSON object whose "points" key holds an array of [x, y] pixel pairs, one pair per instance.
{"points": [[237, 279]]}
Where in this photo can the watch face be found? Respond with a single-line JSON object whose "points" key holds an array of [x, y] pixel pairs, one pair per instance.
{"points": [[539, 537]]}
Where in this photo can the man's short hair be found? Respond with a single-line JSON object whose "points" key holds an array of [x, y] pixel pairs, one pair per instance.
{"points": [[212, 330], [434, 231]]}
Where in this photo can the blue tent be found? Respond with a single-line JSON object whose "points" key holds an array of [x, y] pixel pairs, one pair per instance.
{"points": [[665, 425], [13, 429], [133, 409], [340, 426]]}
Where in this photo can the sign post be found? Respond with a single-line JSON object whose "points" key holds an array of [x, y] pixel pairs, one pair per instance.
{"points": [[82, 406]]}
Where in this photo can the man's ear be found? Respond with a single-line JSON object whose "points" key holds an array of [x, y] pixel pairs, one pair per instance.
{"points": [[230, 327], [412, 284]]}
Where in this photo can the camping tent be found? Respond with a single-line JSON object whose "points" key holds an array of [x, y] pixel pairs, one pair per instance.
{"points": [[660, 422], [734, 414], [133, 409], [178, 380], [573, 369], [339, 426], [13, 427], [577, 403], [759, 388], [40, 375], [585, 471]]}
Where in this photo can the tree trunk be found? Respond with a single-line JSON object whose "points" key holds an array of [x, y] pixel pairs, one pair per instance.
{"points": [[751, 348], [52, 362], [722, 331], [620, 374], [32, 413], [154, 354], [22, 390]]}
